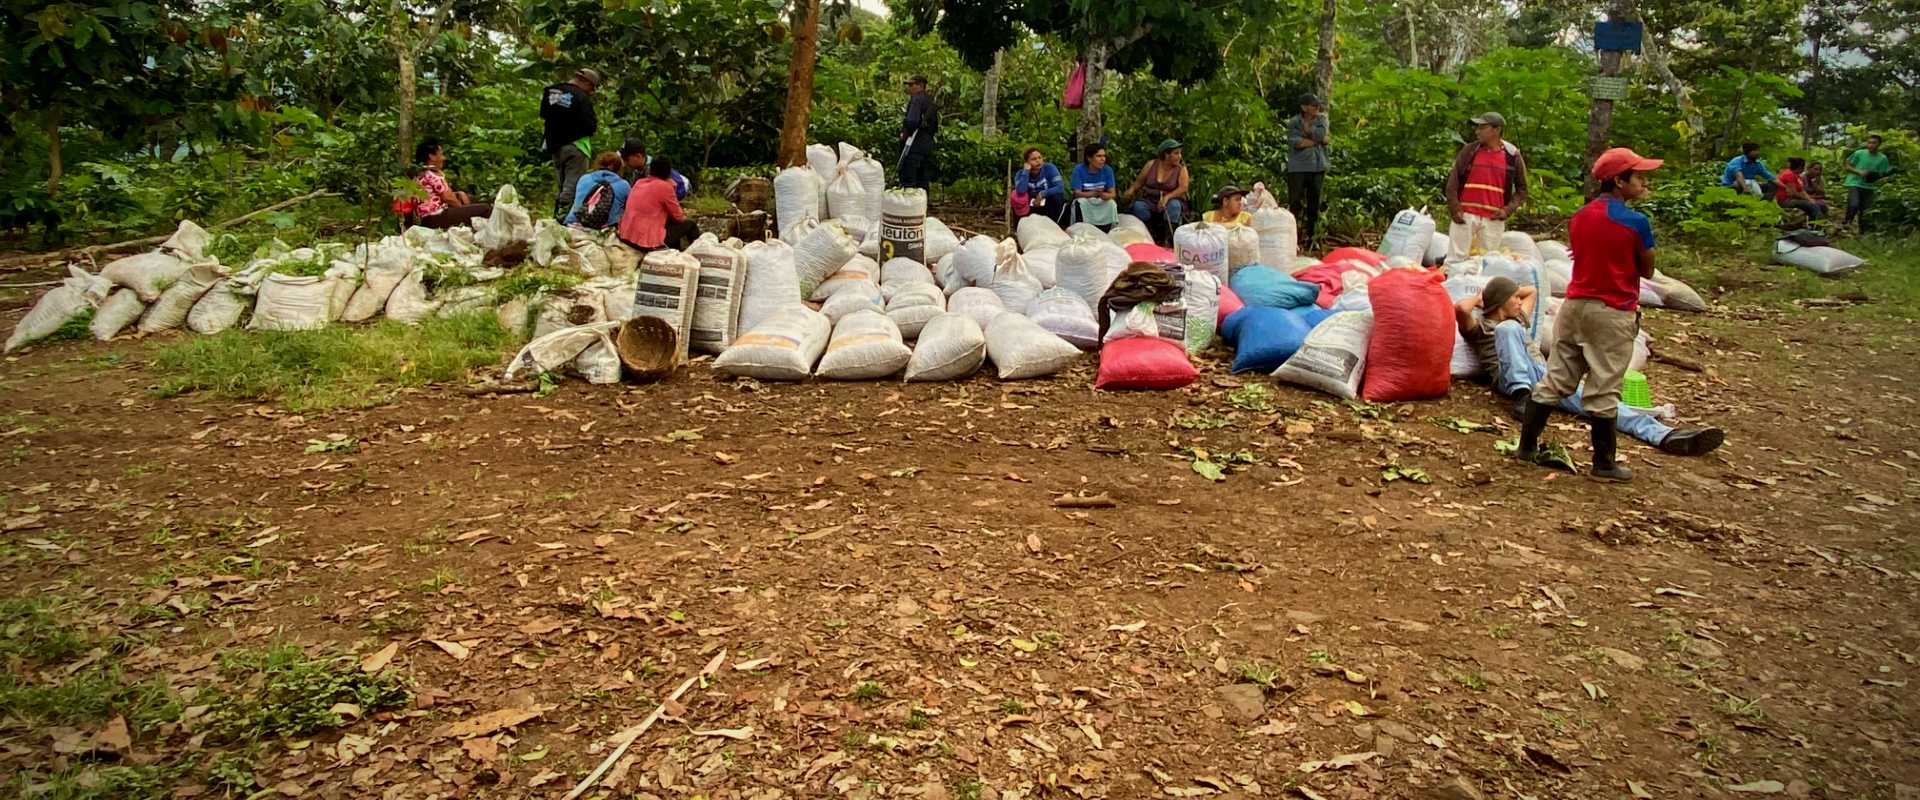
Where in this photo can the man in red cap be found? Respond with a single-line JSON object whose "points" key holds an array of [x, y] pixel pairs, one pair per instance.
{"points": [[1594, 331]]}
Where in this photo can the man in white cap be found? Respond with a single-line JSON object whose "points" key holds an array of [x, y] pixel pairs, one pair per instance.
{"points": [[1487, 184], [567, 110]]}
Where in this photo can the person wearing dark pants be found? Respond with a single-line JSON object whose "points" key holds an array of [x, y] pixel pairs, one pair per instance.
{"points": [[1791, 190], [567, 110], [1306, 164], [441, 207], [916, 135], [1865, 168], [1594, 331], [652, 219]]}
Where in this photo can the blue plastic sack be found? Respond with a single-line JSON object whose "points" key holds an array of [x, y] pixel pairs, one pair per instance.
{"points": [[1314, 315], [1261, 285], [1268, 337], [1230, 327]]}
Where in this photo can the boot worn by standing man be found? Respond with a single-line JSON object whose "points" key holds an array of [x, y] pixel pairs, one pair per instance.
{"points": [[1593, 333]]}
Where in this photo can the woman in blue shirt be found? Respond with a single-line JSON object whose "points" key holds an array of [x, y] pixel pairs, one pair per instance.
{"points": [[1039, 189], [605, 211], [1093, 188]]}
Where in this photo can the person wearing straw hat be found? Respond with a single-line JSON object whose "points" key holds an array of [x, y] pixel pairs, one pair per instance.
{"points": [[1594, 330], [1488, 183], [916, 135], [1495, 324], [566, 109], [1160, 191]]}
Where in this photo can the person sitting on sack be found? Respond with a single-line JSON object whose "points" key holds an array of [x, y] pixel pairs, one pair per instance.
{"points": [[442, 207], [1488, 183], [1160, 191], [1228, 207], [1594, 330], [1494, 324], [653, 218], [600, 196], [1039, 189], [1093, 187]]}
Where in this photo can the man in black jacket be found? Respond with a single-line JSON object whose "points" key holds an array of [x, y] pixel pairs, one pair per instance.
{"points": [[567, 110], [916, 135]]}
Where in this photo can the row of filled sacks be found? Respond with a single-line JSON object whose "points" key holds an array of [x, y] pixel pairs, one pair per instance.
{"points": [[1271, 238], [846, 185], [1397, 351], [797, 342]]}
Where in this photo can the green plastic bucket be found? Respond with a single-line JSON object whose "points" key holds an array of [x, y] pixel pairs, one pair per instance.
{"points": [[1634, 390]]}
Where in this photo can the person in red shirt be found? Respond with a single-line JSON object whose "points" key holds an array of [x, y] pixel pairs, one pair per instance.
{"points": [[1792, 190], [1488, 183], [1594, 331], [653, 218]]}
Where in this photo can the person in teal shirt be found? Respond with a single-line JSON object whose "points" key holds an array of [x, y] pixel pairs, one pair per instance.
{"points": [[1865, 168]]}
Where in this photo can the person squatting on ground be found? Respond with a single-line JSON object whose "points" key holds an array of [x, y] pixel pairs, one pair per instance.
{"points": [[567, 110], [1488, 183], [442, 207], [1494, 324], [601, 195], [1307, 164], [1039, 189], [917, 129], [1159, 192], [653, 218], [1594, 330]]}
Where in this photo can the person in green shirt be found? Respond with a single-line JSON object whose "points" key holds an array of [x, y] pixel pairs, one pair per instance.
{"points": [[1865, 168]]}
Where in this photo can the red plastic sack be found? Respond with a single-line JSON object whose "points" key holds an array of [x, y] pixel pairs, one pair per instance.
{"points": [[1076, 91], [1327, 274], [1360, 254], [1146, 362], [1150, 253], [1412, 337], [1229, 303]]}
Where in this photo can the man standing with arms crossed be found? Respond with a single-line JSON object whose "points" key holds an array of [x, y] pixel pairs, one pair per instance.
{"points": [[916, 135], [1595, 328], [1306, 164], [567, 110], [1488, 183]]}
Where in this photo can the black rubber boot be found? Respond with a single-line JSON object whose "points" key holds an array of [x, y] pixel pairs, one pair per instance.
{"points": [[1533, 420], [1604, 465], [1693, 441], [1519, 407]]}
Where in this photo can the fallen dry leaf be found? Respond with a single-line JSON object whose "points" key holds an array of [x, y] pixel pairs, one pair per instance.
{"points": [[457, 650], [1339, 761], [490, 722], [483, 750], [378, 659], [1131, 627], [113, 737], [738, 734], [1759, 787]]}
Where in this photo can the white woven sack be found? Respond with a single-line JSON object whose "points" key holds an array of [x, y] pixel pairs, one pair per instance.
{"points": [[1085, 230], [859, 268], [552, 351], [903, 225], [847, 197], [1438, 245], [1080, 266], [1279, 237], [1043, 265], [1014, 284], [148, 274], [854, 296], [509, 224], [873, 176], [979, 304], [1063, 314], [293, 303], [1521, 245], [171, 310], [599, 363], [77, 292], [900, 273], [188, 241], [1407, 236], [771, 282], [1821, 260], [1037, 231], [1202, 246], [797, 196], [408, 302], [820, 253], [219, 309], [782, 348], [951, 347], [1020, 348], [914, 305], [386, 265], [973, 263], [122, 308], [941, 240], [1243, 248], [1333, 359], [865, 345], [668, 281], [1551, 250], [825, 165], [716, 302]]}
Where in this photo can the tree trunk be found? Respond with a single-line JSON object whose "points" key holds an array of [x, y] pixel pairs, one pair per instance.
{"points": [[1682, 94], [990, 97], [1413, 38], [793, 126], [397, 36], [1323, 64], [1809, 126], [1733, 114], [54, 166], [1091, 125], [1600, 113]]}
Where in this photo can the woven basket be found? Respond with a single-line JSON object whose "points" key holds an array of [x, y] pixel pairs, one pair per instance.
{"points": [[646, 346], [751, 227], [749, 193]]}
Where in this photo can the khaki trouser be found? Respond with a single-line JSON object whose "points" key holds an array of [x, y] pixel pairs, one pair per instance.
{"points": [[1477, 236], [1593, 341]]}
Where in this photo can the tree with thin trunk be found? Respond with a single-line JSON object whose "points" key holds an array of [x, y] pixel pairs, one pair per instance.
{"points": [[1600, 112], [1323, 63], [400, 31], [793, 125], [990, 96]]}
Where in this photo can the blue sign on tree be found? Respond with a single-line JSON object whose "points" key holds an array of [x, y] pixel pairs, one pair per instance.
{"points": [[1611, 35]]}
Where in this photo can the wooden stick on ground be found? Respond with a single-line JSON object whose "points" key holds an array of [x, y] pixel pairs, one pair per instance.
{"points": [[59, 255], [630, 735]]}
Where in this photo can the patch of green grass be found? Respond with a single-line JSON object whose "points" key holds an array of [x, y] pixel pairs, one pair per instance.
{"points": [[1470, 680], [100, 782], [1266, 676], [33, 633], [335, 367], [1012, 707], [917, 720], [700, 204], [232, 773], [94, 694], [869, 691], [1251, 397], [72, 330], [1202, 421], [1890, 278], [1501, 631], [285, 692], [968, 789], [528, 280], [441, 579]]}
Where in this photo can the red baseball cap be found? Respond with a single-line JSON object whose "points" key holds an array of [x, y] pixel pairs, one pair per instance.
{"points": [[1620, 159]]}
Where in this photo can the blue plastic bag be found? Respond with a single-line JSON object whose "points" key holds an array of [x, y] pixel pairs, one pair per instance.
{"points": [[1260, 285], [1267, 337]]}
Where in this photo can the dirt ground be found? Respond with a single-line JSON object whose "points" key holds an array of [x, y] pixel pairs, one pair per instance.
{"points": [[901, 607]]}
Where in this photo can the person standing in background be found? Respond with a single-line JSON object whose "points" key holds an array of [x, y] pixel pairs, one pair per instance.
{"points": [[567, 110], [1307, 164], [1488, 183], [916, 135], [1865, 168]]}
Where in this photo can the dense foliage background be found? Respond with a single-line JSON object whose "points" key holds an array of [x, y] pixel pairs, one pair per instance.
{"points": [[124, 116]]}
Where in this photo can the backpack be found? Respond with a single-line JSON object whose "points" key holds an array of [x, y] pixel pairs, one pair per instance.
{"points": [[599, 206]]}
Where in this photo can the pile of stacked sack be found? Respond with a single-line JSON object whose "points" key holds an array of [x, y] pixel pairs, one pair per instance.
{"points": [[409, 277]]}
